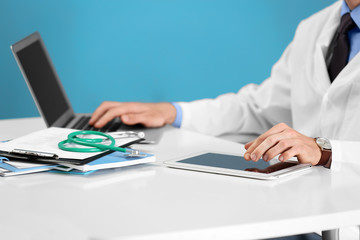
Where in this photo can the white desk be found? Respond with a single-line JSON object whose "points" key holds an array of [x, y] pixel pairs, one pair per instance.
{"points": [[155, 202]]}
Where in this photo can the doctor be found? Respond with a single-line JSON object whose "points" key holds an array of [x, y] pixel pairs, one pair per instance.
{"points": [[309, 107], [298, 102]]}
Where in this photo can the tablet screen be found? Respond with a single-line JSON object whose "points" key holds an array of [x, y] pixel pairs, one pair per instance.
{"points": [[235, 163]]}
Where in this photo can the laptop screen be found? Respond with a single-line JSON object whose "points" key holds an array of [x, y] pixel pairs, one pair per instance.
{"points": [[43, 82]]}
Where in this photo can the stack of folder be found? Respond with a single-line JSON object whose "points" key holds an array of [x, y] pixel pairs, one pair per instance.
{"points": [[38, 152]]}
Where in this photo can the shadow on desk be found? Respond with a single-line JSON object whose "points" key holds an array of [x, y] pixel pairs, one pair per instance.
{"points": [[98, 179]]}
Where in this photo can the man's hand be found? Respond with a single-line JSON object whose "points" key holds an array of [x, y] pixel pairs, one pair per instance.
{"points": [[283, 140], [148, 114]]}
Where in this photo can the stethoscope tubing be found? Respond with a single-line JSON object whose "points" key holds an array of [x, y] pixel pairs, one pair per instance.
{"points": [[96, 147]]}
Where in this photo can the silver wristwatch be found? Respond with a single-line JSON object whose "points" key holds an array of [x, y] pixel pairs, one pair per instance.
{"points": [[323, 143]]}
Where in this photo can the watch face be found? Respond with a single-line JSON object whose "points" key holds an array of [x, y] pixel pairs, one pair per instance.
{"points": [[324, 143]]}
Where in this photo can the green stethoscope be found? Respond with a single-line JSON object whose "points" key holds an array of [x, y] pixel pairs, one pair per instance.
{"points": [[95, 144]]}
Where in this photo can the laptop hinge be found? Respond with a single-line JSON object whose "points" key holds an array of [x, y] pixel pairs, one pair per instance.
{"points": [[68, 121]]}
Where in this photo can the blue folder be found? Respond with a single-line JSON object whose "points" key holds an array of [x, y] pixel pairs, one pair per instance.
{"points": [[10, 168]]}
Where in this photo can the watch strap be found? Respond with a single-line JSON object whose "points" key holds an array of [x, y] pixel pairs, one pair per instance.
{"points": [[325, 159]]}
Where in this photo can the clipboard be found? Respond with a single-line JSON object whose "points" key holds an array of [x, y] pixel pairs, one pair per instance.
{"points": [[42, 146]]}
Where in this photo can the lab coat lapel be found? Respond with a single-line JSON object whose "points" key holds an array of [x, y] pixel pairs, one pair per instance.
{"points": [[321, 75], [349, 74], [341, 110]]}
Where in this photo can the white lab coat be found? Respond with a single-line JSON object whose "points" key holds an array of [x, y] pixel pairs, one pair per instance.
{"points": [[298, 92]]}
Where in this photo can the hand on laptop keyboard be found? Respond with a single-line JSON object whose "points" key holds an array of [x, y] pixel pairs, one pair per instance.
{"points": [[82, 124], [147, 114]]}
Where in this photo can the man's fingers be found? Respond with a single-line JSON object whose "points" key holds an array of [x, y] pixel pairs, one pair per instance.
{"points": [[148, 114], [285, 141], [142, 118], [108, 116], [104, 107], [275, 129], [268, 143], [249, 144], [132, 119], [286, 155], [250, 155], [280, 147], [109, 110]]}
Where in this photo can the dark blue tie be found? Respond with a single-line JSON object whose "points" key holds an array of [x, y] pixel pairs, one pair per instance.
{"points": [[341, 46]]}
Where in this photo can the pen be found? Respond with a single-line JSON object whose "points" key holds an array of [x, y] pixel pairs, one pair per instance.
{"points": [[34, 153]]}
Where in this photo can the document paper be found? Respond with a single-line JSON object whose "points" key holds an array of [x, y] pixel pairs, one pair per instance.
{"points": [[47, 140]]}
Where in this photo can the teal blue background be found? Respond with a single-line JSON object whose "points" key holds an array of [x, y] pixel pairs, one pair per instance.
{"points": [[147, 50]]}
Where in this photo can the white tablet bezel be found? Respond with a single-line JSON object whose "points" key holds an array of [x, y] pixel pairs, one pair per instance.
{"points": [[174, 163]]}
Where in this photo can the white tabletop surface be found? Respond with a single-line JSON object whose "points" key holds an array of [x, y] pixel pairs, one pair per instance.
{"points": [[155, 202]]}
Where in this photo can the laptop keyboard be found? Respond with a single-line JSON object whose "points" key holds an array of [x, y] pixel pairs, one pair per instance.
{"points": [[82, 124]]}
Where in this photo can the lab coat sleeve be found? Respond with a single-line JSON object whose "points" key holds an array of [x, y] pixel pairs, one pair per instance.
{"points": [[344, 152], [252, 110]]}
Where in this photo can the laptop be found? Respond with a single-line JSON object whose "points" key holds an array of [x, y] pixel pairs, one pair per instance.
{"points": [[49, 94]]}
